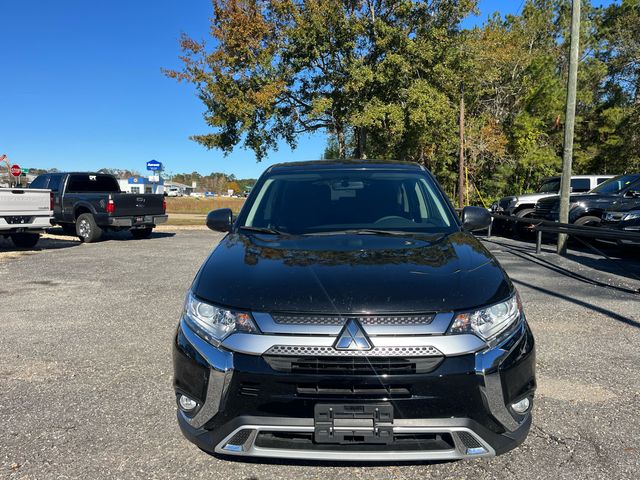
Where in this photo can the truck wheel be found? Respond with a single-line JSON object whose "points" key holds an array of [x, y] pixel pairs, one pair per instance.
{"points": [[87, 229], [25, 240], [522, 229], [588, 221], [140, 233]]}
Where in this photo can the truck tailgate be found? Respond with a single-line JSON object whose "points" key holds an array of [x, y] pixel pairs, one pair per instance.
{"points": [[24, 201], [132, 204]]}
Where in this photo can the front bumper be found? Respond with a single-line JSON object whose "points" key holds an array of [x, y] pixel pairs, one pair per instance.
{"points": [[458, 410]]}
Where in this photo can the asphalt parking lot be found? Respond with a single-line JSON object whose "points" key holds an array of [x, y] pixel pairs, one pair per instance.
{"points": [[85, 367]]}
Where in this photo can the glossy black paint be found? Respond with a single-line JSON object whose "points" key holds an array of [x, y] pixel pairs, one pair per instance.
{"points": [[475, 218], [351, 274], [258, 394], [220, 220], [191, 370]]}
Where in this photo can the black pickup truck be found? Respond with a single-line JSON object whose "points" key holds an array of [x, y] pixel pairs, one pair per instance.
{"points": [[86, 204]]}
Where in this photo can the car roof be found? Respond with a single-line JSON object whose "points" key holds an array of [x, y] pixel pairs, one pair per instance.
{"points": [[344, 164], [554, 177]]}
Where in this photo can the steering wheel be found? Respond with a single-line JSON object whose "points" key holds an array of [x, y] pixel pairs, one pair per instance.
{"points": [[390, 217]]}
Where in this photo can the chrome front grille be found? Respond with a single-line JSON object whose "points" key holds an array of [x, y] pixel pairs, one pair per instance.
{"points": [[302, 350], [392, 320]]}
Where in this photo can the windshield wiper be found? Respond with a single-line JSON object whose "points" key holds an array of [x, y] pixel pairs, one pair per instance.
{"points": [[374, 231], [270, 231]]}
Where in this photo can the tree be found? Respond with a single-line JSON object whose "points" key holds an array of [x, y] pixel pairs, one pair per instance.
{"points": [[383, 78], [281, 68]]}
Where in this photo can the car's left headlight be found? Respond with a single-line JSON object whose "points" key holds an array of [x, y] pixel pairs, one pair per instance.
{"points": [[215, 323], [631, 216], [487, 323]]}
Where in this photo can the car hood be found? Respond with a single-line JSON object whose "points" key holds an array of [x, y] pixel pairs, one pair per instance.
{"points": [[572, 198], [533, 197], [351, 274]]}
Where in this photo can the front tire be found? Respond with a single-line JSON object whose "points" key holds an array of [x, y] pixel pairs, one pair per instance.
{"points": [[25, 240], [588, 221], [87, 229], [522, 229], [140, 233]]}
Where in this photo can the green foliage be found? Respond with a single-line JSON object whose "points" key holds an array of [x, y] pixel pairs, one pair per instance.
{"points": [[383, 79]]}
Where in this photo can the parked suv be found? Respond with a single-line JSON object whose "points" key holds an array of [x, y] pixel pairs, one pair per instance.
{"points": [[616, 194], [348, 314], [523, 206]]}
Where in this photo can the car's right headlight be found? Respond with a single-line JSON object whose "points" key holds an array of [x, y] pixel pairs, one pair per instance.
{"points": [[215, 323], [488, 322]]}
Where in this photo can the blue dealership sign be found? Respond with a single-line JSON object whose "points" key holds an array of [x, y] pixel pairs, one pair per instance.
{"points": [[154, 165]]}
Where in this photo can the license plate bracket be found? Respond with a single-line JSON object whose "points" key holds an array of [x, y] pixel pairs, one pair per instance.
{"points": [[353, 423]]}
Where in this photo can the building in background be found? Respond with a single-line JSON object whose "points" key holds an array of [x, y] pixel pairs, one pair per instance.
{"points": [[185, 189], [141, 185]]}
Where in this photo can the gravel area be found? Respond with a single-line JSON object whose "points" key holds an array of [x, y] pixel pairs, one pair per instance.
{"points": [[85, 366]]}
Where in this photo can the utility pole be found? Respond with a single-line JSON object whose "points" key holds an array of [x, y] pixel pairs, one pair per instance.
{"points": [[461, 159], [570, 120]]}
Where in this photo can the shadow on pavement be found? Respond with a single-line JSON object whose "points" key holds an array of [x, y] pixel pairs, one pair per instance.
{"points": [[317, 463], [615, 316], [602, 264], [109, 235], [45, 243]]}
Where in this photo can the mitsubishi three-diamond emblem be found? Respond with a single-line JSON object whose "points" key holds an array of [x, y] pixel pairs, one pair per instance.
{"points": [[352, 337]]}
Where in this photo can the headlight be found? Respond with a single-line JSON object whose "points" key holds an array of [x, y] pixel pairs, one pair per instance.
{"points": [[631, 216], [488, 322], [215, 323]]}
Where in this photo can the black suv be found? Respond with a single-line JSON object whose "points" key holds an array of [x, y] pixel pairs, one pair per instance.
{"points": [[620, 193], [348, 314]]}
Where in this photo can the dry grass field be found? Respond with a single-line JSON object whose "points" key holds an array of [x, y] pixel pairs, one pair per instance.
{"points": [[195, 205]]}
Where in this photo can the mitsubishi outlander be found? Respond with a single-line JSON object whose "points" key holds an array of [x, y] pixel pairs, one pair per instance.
{"points": [[349, 314]]}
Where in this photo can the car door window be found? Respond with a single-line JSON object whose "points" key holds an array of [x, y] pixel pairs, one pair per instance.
{"points": [[54, 183], [580, 185]]}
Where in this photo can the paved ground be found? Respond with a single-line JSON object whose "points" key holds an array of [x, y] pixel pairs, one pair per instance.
{"points": [[85, 367]]}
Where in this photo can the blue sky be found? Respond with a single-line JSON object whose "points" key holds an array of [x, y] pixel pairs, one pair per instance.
{"points": [[81, 87]]}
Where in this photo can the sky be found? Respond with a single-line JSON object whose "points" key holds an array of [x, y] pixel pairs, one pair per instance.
{"points": [[81, 87]]}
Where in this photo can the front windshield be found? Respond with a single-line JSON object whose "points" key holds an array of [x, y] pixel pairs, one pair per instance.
{"points": [[337, 200], [616, 185], [550, 186]]}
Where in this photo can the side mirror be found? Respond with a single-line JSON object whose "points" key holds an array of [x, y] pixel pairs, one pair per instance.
{"points": [[475, 218], [220, 220]]}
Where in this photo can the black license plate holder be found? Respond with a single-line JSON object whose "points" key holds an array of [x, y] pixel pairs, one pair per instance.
{"points": [[353, 423]]}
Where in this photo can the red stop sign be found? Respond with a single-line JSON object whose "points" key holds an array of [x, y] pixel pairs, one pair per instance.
{"points": [[16, 170]]}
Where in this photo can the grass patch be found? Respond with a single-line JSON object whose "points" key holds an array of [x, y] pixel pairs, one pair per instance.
{"points": [[202, 205], [186, 219]]}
